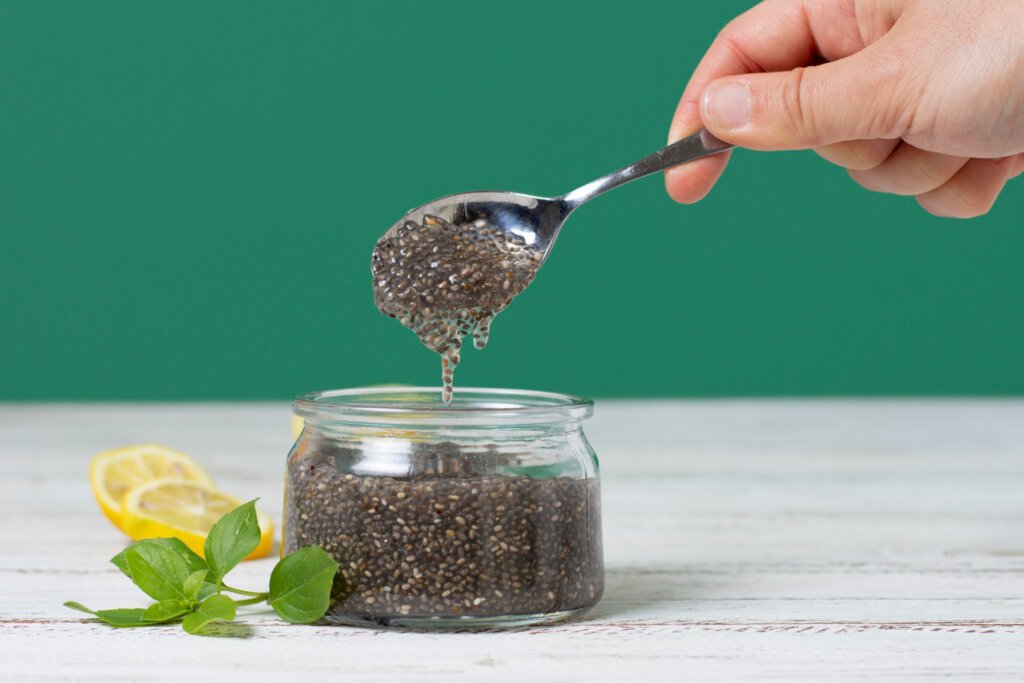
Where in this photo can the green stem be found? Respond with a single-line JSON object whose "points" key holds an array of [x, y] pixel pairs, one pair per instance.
{"points": [[252, 601], [242, 592]]}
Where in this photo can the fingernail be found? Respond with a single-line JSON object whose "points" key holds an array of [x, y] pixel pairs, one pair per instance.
{"points": [[727, 105]]}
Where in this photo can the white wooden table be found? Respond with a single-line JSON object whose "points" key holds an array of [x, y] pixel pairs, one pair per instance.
{"points": [[834, 540]]}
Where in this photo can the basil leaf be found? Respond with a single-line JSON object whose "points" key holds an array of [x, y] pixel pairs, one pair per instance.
{"points": [[78, 606], [121, 618], [174, 552], [166, 610], [231, 539], [121, 562], [194, 584], [176, 545], [157, 570], [214, 608], [300, 585]]}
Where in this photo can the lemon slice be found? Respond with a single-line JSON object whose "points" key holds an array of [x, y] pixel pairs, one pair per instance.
{"points": [[185, 510], [298, 424], [113, 473]]}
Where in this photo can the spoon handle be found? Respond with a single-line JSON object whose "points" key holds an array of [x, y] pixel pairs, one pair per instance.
{"points": [[691, 148]]}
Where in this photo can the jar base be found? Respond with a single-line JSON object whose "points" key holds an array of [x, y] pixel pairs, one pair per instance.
{"points": [[427, 623]]}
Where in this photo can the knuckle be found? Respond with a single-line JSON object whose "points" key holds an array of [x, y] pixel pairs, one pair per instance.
{"points": [[973, 206], [921, 124], [955, 205], [796, 102], [729, 42], [858, 155], [895, 97], [865, 156], [925, 173], [727, 33], [935, 208], [866, 179]]}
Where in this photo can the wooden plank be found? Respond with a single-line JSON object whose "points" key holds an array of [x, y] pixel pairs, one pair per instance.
{"points": [[271, 653], [670, 595]]}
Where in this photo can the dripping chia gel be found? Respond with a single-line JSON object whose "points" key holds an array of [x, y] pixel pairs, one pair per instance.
{"points": [[445, 282]]}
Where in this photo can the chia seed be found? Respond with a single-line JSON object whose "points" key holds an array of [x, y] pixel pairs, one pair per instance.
{"points": [[449, 538]]}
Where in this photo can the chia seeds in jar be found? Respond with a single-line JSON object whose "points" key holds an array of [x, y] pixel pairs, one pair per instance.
{"points": [[482, 512]]}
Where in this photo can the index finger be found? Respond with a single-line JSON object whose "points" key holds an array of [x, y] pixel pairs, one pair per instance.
{"points": [[775, 35]]}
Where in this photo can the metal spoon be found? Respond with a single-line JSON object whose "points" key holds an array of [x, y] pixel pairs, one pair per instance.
{"points": [[539, 219]]}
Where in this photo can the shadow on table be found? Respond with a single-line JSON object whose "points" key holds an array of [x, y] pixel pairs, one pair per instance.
{"points": [[229, 631], [630, 592]]}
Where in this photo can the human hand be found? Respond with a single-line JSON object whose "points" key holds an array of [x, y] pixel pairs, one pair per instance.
{"points": [[913, 97]]}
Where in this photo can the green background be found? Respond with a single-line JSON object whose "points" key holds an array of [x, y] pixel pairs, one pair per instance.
{"points": [[190, 191]]}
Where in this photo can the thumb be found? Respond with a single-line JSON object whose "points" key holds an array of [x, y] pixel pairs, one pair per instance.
{"points": [[849, 99]]}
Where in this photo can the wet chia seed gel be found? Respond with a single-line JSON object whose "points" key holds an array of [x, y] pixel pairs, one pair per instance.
{"points": [[445, 282], [446, 543]]}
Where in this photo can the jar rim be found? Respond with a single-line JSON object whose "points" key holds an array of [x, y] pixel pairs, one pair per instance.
{"points": [[423, 405]]}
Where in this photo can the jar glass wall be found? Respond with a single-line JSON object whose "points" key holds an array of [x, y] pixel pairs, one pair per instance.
{"points": [[485, 511]]}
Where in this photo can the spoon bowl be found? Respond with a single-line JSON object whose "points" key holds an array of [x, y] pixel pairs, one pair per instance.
{"points": [[538, 220]]}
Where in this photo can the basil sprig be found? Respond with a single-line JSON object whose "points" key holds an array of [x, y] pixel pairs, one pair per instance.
{"points": [[191, 590]]}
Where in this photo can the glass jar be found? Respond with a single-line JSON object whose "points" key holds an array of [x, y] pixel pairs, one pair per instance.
{"points": [[481, 512]]}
